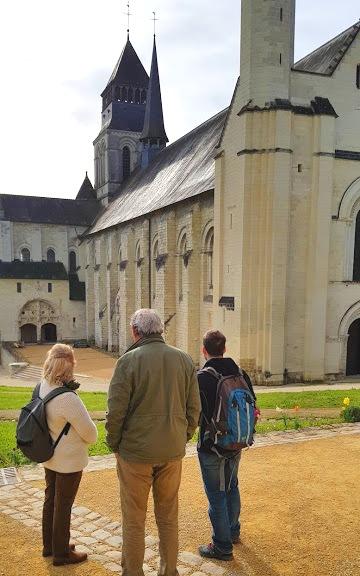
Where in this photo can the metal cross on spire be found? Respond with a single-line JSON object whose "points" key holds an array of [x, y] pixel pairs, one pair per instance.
{"points": [[154, 19], [128, 14]]}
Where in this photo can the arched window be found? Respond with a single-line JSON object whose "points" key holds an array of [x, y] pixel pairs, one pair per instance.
{"points": [[137, 96], [25, 255], [50, 255], [181, 266], [358, 76], [117, 93], [143, 96], [126, 162], [208, 262], [72, 262], [356, 268], [130, 95]]}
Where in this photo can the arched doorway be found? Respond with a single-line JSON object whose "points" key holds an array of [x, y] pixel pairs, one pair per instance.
{"points": [[48, 333], [353, 349], [28, 333]]}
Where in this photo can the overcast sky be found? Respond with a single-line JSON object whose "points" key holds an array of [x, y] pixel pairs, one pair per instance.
{"points": [[56, 58]]}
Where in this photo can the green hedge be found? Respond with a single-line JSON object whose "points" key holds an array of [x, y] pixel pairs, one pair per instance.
{"points": [[351, 414]]}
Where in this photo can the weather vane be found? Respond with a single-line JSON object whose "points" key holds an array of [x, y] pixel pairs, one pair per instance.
{"points": [[154, 19]]}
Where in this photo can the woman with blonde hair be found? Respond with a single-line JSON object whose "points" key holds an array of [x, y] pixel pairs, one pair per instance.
{"points": [[65, 414]]}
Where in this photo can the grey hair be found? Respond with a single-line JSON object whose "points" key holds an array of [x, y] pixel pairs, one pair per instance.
{"points": [[146, 321]]}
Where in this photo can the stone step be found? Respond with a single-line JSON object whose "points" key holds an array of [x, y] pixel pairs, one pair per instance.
{"points": [[29, 373]]}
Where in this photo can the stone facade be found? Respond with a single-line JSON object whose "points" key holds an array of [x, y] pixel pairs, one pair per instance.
{"points": [[277, 273], [268, 254], [161, 261], [39, 302]]}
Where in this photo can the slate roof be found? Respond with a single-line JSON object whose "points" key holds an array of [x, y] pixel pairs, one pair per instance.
{"points": [[129, 70], [154, 119], [37, 209], [180, 171], [33, 270], [324, 60], [86, 191], [126, 116]]}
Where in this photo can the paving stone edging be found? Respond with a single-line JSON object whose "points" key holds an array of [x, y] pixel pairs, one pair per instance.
{"points": [[95, 534], [101, 537]]}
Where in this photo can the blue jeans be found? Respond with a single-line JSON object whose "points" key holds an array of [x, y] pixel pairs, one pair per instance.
{"points": [[220, 477]]}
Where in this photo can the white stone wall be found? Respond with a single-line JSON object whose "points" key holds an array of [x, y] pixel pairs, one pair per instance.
{"points": [[65, 309], [134, 279], [38, 238]]}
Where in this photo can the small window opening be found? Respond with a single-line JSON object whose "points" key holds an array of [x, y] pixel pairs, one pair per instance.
{"points": [[281, 14], [358, 76], [18, 287], [49, 287], [74, 321], [50, 255], [72, 262], [231, 221], [126, 162], [25, 255], [280, 59], [300, 168]]}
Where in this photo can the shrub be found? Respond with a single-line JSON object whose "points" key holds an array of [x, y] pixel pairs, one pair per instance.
{"points": [[351, 414]]}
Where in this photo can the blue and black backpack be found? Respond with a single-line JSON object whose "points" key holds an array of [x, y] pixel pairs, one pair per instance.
{"points": [[232, 424]]}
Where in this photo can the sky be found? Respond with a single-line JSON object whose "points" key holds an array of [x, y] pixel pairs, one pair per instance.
{"points": [[56, 58]]}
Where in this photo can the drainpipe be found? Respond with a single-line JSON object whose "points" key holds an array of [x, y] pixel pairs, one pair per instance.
{"points": [[149, 254]]}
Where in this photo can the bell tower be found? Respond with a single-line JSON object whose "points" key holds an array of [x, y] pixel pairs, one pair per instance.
{"points": [[117, 148], [267, 50]]}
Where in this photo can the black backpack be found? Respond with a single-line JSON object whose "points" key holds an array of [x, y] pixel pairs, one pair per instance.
{"points": [[32, 432]]}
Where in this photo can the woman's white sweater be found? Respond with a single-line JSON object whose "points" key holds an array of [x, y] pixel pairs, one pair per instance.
{"points": [[71, 454]]}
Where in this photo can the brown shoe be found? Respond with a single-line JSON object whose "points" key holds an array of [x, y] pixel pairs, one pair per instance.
{"points": [[46, 553], [72, 558]]}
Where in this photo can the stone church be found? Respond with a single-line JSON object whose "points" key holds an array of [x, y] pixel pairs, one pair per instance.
{"points": [[249, 223]]}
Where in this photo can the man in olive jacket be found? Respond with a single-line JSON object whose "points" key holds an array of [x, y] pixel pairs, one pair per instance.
{"points": [[153, 410]]}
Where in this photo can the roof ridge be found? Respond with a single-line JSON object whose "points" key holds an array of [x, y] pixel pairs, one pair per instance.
{"points": [[349, 35], [45, 197]]}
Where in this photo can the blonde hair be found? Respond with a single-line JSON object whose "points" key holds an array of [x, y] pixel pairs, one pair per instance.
{"points": [[59, 364]]}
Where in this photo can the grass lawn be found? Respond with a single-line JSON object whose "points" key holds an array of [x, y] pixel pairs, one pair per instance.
{"points": [[11, 456], [321, 399], [15, 398]]}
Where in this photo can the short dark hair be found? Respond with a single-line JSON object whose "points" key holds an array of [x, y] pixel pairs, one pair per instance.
{"points": [[214, 342]]}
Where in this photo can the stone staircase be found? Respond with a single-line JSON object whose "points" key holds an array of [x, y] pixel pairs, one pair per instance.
{"points": [[30, 372]]}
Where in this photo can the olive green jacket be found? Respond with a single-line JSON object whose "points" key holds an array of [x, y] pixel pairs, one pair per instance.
{"points": [[153, 402]]}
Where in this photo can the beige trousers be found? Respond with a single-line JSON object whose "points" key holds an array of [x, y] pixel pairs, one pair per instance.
{"points": [[136, 481]]}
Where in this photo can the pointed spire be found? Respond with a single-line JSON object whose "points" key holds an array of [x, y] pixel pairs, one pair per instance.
{"points": [[129, 70], [154, 128], [86, 191]]}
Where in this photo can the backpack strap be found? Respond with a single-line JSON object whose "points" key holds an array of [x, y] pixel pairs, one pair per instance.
{"points": [[53, 394], [57, 392], [36, 391], [211, 371], [63, 432]]}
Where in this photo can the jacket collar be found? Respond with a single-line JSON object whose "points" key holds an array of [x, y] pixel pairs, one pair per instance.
{"points": [[146, 340]]}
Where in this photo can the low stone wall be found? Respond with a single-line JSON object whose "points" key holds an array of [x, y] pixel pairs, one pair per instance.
{"points": [[6, 357]]}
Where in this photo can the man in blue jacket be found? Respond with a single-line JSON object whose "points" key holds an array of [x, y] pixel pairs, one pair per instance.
{"points": [[219, 470]]}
